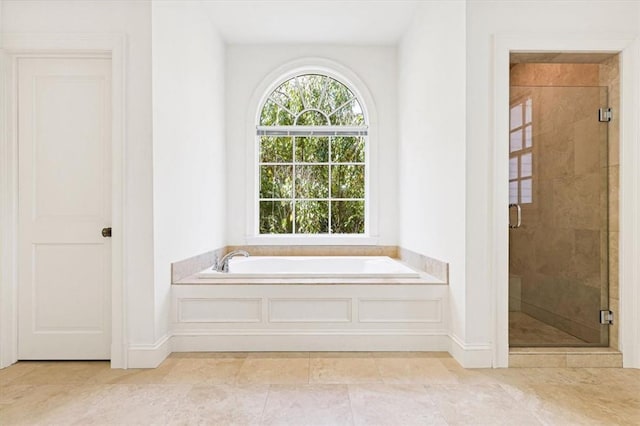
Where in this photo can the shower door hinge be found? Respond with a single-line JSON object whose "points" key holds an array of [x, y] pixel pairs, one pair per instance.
{"points": [[605, 115], [606, 317]]}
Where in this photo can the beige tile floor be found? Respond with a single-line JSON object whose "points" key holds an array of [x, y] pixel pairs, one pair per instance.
{"points": [[380, 388]]}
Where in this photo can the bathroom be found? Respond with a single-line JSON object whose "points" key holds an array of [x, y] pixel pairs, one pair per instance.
{"points": [[189, 79]]}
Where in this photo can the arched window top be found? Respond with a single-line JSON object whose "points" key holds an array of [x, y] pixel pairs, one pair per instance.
{"points": [[312, 100]]}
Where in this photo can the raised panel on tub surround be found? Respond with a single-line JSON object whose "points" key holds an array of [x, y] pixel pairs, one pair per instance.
{"points": [[309, 317], [310, 310], [400, 310], [220, 310]]}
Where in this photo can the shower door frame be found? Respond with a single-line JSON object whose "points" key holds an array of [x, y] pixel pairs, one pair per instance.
{"points": [[629, 48]]}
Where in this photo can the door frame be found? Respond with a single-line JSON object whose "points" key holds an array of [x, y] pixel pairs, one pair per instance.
{"points": [[15, 46], [628, 45]]}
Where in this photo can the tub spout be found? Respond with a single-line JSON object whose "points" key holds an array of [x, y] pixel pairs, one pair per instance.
{"points": [[223, 264]]}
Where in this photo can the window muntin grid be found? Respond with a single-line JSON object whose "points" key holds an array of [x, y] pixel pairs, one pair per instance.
{"points": [[521, 152], [312, 100], [306, 191]]}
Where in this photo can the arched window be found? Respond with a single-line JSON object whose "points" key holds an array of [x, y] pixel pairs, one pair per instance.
{"points": [[312, 137]]}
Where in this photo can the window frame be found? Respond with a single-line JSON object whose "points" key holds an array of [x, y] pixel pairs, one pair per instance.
{"points": [[260, 96]]}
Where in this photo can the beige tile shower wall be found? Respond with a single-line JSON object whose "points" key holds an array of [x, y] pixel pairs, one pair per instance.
{"points": [[560, 252], [555, 75], [610, 77]]}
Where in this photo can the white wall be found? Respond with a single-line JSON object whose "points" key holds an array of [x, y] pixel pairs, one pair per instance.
{"points": [[637, 339], [485, 19], [188, 142], [134, 20], [247, 67], [432, 158]]}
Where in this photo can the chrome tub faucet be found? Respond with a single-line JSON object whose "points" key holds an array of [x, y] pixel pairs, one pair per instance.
{"points": [[223, 264]]}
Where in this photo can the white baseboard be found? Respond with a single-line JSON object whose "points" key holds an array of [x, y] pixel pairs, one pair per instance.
{"points": [[632, 360], [470, 356], [149, 356], [308, 342]]}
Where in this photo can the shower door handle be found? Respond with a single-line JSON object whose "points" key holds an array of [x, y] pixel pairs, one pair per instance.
{"points": [[518, 216]]}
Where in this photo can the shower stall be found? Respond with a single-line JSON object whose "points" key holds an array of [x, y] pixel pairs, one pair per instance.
{"points": [[559, 205]]}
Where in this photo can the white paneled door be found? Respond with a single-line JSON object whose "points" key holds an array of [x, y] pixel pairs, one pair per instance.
{"points": [[64, 142]]}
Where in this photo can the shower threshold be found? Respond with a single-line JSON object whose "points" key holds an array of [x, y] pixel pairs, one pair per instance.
{"points": [[565, 357]]}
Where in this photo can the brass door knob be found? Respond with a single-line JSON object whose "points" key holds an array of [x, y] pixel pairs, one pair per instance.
{"points": [[106, 232]]}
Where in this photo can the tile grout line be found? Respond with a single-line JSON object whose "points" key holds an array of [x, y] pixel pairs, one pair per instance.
{"points": [[353, 414], [436, 404], [523, 405], [375, 363], [264, 406]]}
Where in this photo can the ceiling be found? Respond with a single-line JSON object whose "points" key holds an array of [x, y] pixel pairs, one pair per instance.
{"points": [[372, 22]]}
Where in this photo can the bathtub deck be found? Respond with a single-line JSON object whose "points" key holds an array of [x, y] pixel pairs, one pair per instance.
{"points": [[424, 279]]}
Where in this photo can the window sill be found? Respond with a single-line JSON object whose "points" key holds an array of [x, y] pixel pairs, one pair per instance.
{"points": [[312, 240]]}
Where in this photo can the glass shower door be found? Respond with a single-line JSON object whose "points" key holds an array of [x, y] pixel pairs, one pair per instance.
{"points": [[558, 253]]}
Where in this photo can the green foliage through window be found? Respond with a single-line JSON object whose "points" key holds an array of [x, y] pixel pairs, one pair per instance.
{"points": [[312, 181], [312, 100]]}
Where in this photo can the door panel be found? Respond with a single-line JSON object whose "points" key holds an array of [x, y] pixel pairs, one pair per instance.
{"points": [[558, 257], [64, 124]]}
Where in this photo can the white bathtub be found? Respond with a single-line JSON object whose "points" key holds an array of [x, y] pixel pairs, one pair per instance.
{"points": [[313, 267]]}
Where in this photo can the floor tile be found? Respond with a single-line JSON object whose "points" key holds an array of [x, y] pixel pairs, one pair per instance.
{"points": [[381, 404], [471, 375], [221, 405], [275, 368], [487, 404], [208, 355], [204, 370], [140, 376], [578, 404], [311, 405], [409, 354], [12, 374], [63, 373], [414, 370], [621, 378], [123, 404], [274, 388], [12, 394], [34, 405], [343, 368], [557, 376]]}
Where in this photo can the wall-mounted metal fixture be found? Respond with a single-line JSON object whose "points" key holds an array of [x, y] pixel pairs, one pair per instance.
{"points": [[606, 317], [605, 115]]}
